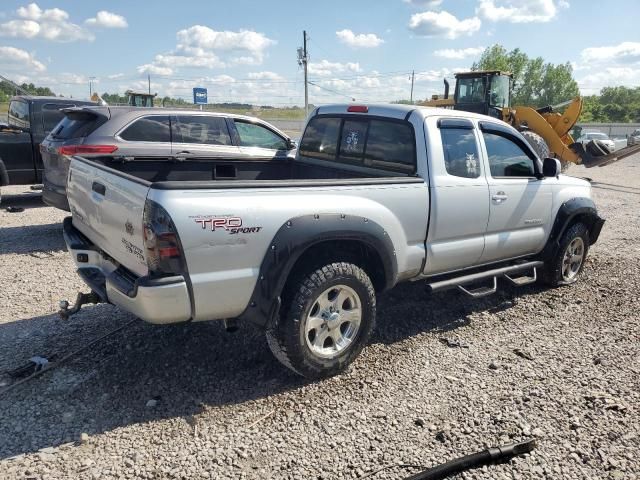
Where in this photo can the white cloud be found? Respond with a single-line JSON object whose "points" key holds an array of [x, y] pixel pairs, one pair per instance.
{"points": [[271, 76], [115, 76], [625, 52], [520, 11], [325, 68], [17, 60], [460, 53], [51, 24], [424, 3], [107, 20], [361, 40], [149, 68], [608, 77], [202, 47], [443, 24]]}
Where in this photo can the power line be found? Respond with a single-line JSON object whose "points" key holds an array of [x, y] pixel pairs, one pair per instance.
{"points": [[332, 91]]}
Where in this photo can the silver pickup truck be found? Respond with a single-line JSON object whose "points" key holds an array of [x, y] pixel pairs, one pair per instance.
{"points": [[376, 195]]}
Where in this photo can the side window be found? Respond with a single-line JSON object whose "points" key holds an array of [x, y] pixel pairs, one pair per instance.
{"points": [[148, 129], [353, 140], [202, 129], [320, 138], [461, 157], [506, 158], [252, 135], [390, 144], [19, 114], [51, 115]]}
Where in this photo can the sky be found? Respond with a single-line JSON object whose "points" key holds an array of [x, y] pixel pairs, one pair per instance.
{"points": [[246, 50]]}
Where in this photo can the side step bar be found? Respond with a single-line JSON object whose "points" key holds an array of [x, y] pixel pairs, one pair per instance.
{"points": [[507, 272]]}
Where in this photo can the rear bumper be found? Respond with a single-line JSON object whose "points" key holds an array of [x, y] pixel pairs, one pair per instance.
{"points": [[160, 300], [55, 196]]}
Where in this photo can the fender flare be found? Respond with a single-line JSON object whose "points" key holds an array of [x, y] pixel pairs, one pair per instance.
{"points": [[4, 175], [294, 238], [567, 213]]}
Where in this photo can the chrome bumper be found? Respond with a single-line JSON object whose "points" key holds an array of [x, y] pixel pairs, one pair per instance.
{"points": [[160, 300]]}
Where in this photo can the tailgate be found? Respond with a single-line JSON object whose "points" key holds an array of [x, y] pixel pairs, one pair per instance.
{"points": [[108, 207]]}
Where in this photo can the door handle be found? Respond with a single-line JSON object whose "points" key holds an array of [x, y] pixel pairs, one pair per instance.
{"points": [[99, 188], [499, 197]]}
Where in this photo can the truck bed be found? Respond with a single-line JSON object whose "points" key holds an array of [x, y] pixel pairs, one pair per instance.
{"points": [[166, 173]]}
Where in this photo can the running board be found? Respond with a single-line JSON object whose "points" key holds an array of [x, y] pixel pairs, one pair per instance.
{"points": [[508, 272]]}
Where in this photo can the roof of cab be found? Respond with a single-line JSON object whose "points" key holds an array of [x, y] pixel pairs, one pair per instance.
{"points": [[399, 111]]}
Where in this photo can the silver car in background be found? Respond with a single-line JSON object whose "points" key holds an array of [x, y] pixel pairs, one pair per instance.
{"points": [[586, 137], [634, 138], [181, 135]]}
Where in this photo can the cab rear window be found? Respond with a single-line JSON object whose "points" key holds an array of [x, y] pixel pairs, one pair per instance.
{"points": [[368, 141]]}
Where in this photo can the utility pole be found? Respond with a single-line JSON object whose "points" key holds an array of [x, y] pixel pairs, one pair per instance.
{"points": [[149, 82], [413, 76], [303, 59], [91, 79]]}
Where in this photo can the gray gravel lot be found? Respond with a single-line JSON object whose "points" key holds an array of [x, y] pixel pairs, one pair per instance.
{"points": [[194, 402]]}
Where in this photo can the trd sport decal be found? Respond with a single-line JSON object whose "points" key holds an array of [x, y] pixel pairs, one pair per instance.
{"points": [[233, 225]]}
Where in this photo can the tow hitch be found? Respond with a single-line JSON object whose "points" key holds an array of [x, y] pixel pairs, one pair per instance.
{"points": [[82, 299]]}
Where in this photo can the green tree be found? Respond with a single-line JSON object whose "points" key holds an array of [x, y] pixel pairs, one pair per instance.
{"points": [[536, 83]]}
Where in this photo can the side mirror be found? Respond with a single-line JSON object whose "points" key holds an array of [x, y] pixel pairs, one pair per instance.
{"points": [[291, 144], [551, 167]]}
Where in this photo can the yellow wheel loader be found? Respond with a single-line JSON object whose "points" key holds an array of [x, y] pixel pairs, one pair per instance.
{"points": [[546, 130]]}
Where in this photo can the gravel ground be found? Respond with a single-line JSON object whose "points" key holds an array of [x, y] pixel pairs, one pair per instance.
{"points": [[194, 402]]}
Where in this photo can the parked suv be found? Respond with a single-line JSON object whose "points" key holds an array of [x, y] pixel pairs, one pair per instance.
{"points": [[180, 135]]}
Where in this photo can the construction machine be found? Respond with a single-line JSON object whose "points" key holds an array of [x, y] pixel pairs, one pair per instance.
{"points": [[488, 92]]}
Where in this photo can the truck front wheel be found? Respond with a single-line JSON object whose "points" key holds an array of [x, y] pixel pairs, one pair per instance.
{"points": [[567, 262], [327, 318]]}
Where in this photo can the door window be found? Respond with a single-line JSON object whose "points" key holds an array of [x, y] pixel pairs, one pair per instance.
{"points": [[52, 114], [252, 135], [461, 157], [202, 129], [19, 114], [506, 158], [148, 129]]}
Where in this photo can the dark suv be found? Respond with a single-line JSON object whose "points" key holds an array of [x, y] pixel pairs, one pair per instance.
{"points": [[124, 132]]}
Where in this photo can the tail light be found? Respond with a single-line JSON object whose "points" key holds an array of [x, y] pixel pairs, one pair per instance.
{"points": [[357, 109], [80, 149], [162, 244]]}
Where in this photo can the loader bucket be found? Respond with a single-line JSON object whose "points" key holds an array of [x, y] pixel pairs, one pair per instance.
{"points": [[589, 160]]}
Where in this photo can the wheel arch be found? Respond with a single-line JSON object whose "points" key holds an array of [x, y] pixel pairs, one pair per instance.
{"points": [[578, 209], [4, 174], [307, 242]]}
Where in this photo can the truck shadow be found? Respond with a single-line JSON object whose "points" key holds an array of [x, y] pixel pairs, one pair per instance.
{"points": [[184, 369], [32, 239]]}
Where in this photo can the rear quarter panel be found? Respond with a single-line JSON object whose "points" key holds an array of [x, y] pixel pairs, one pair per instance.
{"points": [[223, 266]]}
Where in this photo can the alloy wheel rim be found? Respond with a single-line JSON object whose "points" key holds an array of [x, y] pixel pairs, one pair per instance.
{"points": [[333, 321], [573, 258]]}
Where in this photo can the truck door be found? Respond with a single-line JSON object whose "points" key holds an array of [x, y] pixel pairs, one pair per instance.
{"points": [[459, 196], [520, 212]]}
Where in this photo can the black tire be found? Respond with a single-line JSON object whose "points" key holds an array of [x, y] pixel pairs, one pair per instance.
{"points": [[554, 272], [597, 148], [288, 338]]}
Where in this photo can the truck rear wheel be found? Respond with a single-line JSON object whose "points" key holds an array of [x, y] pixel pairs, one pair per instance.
{"points": [[327, 318], [541, 148], [567, 262]]}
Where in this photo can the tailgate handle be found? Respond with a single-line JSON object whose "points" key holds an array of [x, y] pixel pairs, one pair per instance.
{"points": [[99, 188]]}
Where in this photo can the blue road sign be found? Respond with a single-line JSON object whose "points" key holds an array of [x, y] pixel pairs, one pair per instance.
{"points": [[200, 96]]}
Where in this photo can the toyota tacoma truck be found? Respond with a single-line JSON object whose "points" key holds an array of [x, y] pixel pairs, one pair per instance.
{"points": [[375, 196], [29, 121]]}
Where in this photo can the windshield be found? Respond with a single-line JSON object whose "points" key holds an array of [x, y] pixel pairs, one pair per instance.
{"points": [[471, 90], [499, 94]]}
